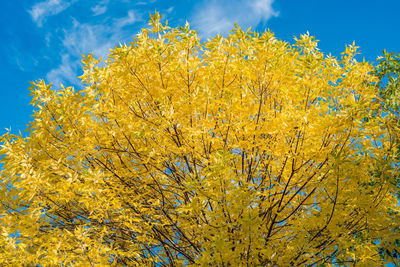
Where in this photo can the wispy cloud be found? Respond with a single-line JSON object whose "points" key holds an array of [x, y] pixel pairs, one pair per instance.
{"points": [[212, 16], [262, 9], [142, 3], [100, 8], [65, 72], [40, 11], [127, 20], [170, 9], [84, 38], [23, 61]]}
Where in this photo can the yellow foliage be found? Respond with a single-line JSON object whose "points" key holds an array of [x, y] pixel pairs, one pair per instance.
{"points": [[235, 151]]}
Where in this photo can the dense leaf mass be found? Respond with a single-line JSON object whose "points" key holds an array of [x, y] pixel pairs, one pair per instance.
{"points": [[236, 151]]}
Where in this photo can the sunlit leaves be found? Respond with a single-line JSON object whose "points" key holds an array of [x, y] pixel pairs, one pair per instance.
{"points": [[244, 150]]}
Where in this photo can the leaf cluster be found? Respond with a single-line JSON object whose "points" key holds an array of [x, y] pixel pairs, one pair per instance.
{"points": [[235, 151]]}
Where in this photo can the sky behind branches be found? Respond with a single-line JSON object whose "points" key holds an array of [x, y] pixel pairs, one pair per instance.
{"points": [[45, 39]]}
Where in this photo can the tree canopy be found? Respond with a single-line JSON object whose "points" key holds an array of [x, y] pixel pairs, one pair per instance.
{"points": [[238, 150]]}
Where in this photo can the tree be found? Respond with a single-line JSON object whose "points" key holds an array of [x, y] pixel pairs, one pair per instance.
{"points": [[388, 72], [243, 150]]}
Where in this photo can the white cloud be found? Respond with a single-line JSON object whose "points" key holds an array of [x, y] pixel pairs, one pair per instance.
{"points": [[40, 11], [127, 20], [143, 3], [170, 9], [100, 8], [65, 72], [16, 57], [47, 39], [218, 16], [85, 38], [263, 9]]}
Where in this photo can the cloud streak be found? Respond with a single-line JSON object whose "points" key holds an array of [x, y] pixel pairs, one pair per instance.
{"points": [[127, 20], [85, 38], [65, 72], [100, 8], [42, 10], [212, 16]]}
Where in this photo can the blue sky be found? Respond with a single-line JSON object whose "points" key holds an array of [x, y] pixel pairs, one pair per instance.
{"points": [[44, 39]]}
